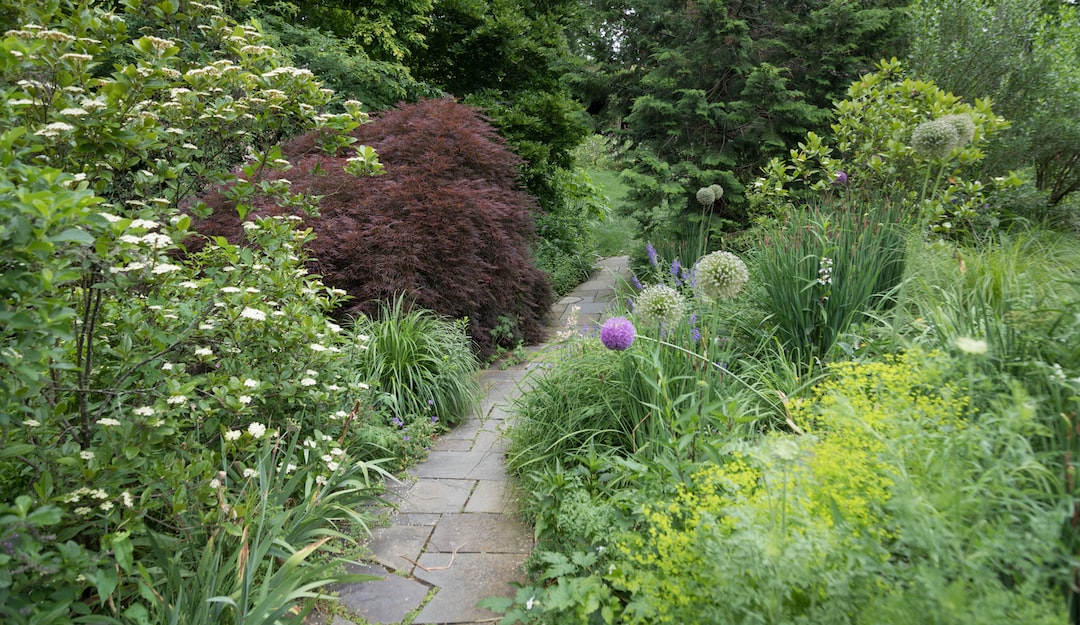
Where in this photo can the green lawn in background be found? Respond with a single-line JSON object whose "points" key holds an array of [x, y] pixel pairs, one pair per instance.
{"points": [[616, 234]]}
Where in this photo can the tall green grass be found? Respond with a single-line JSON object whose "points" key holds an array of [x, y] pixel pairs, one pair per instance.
{"points": [[422, 364], [826, 267], [267, 558]]}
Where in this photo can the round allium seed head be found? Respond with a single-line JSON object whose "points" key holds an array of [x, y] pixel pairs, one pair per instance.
{"points": [[660, 303], [720, 275], [706, 196], [963, 125], [935, 138], [617, 333], [717, 191]]}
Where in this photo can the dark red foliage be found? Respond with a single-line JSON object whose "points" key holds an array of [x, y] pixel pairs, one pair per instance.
{"points": [[448, 224]]}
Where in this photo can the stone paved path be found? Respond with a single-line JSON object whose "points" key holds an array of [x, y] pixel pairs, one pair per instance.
{"points": [[456, 535]]}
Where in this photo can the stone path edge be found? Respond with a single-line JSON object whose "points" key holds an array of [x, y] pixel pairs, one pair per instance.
{"points": [[455, 536]]}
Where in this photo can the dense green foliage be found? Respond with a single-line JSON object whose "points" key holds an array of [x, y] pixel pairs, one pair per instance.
{"points": [[863, 519], [183, 434], [872, 420], [1023, 56], [926, 486], [879, 428], [708, 91]]}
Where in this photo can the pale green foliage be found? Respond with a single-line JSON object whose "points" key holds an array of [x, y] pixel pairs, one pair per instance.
{"points": [[1025, 56], [877, 129]]}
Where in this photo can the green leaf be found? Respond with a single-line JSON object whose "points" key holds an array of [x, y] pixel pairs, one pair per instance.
{"points": [[105, 580], [122, 550], [73, 235], [45, 515]]}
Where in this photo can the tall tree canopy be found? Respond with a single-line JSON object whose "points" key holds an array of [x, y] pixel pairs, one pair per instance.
{"points": [[705, 91]]}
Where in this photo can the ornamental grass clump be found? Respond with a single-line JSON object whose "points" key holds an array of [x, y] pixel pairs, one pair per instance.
{"points": [[720, 275]]}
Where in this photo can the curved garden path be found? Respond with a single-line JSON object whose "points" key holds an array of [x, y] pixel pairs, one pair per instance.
{"points": [[455, 537]]}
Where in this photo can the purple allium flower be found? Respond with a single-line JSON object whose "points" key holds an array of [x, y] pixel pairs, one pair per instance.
{"points": [[617, 333], [841, 178], [652, 255]]}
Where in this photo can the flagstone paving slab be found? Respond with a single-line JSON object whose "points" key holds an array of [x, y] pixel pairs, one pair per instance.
{"points": [[474, 465], [438, 495], [480, 533], [397, 547], [456, 517], [492, 496], [386, 600], [469, 578]]}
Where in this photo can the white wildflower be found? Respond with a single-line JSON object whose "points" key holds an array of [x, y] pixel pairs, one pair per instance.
{"points": [[253, 313]]}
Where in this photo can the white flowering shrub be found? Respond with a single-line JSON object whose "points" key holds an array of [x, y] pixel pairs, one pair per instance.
{"points": [[145, 390]]}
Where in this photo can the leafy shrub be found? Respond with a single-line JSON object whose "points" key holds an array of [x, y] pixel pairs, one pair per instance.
{"points": [[446, 226], [422, 364], [349, 71], [543, 129], [567, 246], [875, 153], [1022, 55], [144, 390]]}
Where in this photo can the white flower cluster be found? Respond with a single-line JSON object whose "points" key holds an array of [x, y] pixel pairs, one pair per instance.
{"points": [[660, 303], [720, 275], [937, 138], [825, 267]]}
